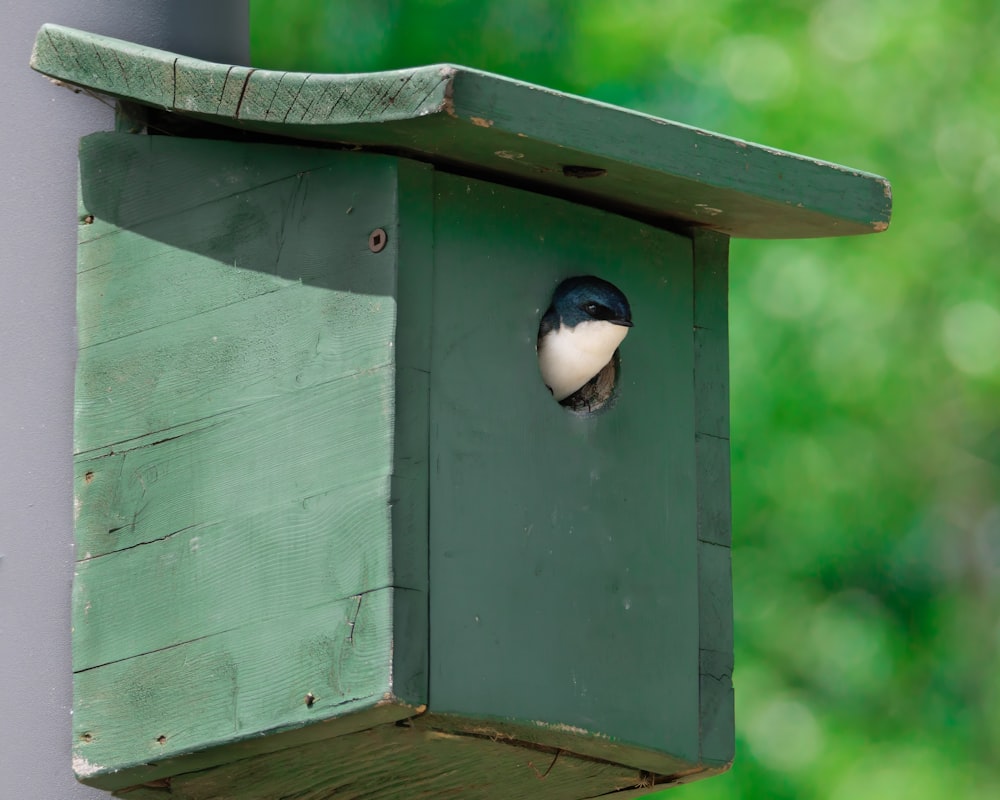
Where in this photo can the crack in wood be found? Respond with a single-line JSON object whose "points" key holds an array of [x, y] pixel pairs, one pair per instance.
{"points": [[163, 538], [543, 775], [354, 620], [222, 92], [243, 91], [253, 622], [498, 737], [123, 451]]}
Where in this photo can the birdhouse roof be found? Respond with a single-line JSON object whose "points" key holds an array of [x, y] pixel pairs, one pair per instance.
{"points": [[477, 123]]}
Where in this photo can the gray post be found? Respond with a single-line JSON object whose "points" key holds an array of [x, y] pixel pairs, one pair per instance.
{"points": [[38, 138]]}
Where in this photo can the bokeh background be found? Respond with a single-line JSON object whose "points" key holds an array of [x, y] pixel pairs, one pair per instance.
{"points": [[865, 371]]}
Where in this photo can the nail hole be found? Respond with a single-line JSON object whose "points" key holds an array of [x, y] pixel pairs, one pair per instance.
{"points": [[579, 171], [87, 737], [377, 240], [578, 339], [161, 739], [88, 220], [310, 699], [88, 477]]}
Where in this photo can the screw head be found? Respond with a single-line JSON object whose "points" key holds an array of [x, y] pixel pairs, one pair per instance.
{"points": [[377, 240]]}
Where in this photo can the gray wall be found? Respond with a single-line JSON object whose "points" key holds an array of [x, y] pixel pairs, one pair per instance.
{"points": [[39, 127]]}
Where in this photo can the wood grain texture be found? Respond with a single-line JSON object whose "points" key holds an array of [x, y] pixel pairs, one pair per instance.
{"points": [[258, 566], [420, 759], [133, 782], [428, 754], [234, 685], [479, 123], [163, 483]]}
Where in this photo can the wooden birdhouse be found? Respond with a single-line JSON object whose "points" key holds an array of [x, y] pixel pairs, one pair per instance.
{"points": [[335, 536]]}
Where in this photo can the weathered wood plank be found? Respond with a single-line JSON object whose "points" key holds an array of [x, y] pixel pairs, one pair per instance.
{"points": [[145, 179], [715, 598], [215, 577], [711, 282], [711, 342], [114, 302], [571, 739], [385, 711], [224, 467], [714, 504], [711, 335], [418, 760], [248, 352], [232, 685], [438, 754], [477, 122], [715, 606], [411, 466], [717, 707]]}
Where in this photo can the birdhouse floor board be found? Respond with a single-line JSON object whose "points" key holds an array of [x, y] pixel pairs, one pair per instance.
{"points": [[482, 124], [424, 757]]}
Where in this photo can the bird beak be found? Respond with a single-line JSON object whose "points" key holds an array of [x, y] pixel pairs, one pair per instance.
{"points": [[625, 323]]}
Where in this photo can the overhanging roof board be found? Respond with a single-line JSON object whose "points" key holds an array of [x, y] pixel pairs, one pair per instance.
{"points": [[480, 123]]}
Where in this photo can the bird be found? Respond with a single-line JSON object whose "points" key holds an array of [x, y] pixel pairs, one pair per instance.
{"points": [[579, 334]]}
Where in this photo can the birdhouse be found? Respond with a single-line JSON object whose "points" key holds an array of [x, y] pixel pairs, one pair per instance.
{"points": [[335, 533]]}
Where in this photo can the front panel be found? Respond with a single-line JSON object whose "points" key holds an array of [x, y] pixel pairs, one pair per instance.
{"points": [[564, 567]]}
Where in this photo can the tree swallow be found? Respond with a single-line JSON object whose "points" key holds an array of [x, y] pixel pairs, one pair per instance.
{"points": [[580, 333]]}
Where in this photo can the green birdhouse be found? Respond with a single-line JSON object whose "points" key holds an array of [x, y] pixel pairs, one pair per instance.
{"points": [[335, 534]]}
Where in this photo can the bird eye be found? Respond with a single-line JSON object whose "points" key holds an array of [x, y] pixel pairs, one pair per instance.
{"points": [[591, 308]]}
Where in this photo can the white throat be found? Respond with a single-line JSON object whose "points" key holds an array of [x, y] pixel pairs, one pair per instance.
{"points": [[569, 357]]}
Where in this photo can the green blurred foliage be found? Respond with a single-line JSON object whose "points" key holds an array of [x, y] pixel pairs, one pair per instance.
{"points": [[865, 371]]}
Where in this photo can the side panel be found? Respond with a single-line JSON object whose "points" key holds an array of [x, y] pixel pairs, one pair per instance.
{"points": [[711, 363], [234, 444], [414, 237], [563, 548]]}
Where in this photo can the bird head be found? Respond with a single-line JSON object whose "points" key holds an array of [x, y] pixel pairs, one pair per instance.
{"points": [[586, 298]]}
